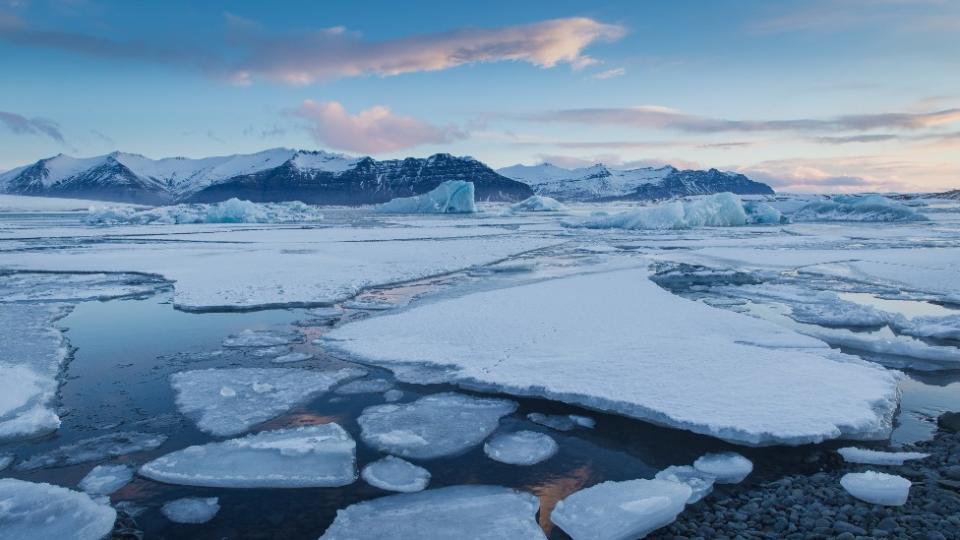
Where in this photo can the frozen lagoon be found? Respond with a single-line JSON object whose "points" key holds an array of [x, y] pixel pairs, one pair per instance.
{"points": [[127, 349]]}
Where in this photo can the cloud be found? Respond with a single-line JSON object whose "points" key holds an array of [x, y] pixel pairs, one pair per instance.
{"points": [[853, 174], [374, 130], [21, 125], [610, 73], [843, 15]]}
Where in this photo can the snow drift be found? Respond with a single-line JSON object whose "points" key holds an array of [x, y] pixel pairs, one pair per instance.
{"points": [[450, 197], [229, 211]]}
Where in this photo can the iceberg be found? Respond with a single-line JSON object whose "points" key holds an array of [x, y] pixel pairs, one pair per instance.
{"points": [[620, 510], [105, 479], [875, 457], [538, 203], [700, 483], [718, 210], [474, 511], [561, 422], [29, 510], [433, 426], [877, 488], [229, 211], [857, 208], [308, 456], [724, 467], [450, 197], [230, 401], [394, 474], [192, 510], [94, 449], [763, 214], [520, 448]]}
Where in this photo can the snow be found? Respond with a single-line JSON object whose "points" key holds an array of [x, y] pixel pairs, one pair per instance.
{"points": [[620, 510], [95, 449], [433, 426], [856, 208], [292, 357], [561, 422], [877, 488], [643, 352], [230, 401], [593, 182], [29, 510], [700, 483], [394, 474], [538, 203], [309, 456], [192, 510], [725, 467], [520, 447], [105, 479], [364, 386], [718, 210], [450, 197], [473, 511], [261, 338], [230, 211], [25, 203], [947, 327], [875, 457]]}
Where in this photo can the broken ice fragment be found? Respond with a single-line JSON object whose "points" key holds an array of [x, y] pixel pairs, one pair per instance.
{"points": [[292, 357], [875, 457], [520, 448], [561, 422], [260, 339], [94, 449], [364, 386], [700, 483], [726, 467], [105, 479], [395, 474], [192, 510], [877, 488], [29, 510]]}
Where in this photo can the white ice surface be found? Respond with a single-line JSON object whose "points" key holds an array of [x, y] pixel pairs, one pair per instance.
{"points": [[876, 457], [94, 449], [476, 512], [105, 479], [643, 352], [725, 467], [42, 511], [230, 401], [855, 208], [229, 211], [395, 474], [946, 327], [450, 197], [192, 510], [877, 488], [520, 447], [620, 510], [433, 426], [309, 456], [700, 483]]}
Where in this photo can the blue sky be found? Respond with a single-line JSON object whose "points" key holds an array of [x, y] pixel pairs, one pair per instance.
{"points": [[838, 95]]}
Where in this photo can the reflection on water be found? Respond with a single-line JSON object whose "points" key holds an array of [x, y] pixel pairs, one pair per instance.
{"points": [[907, 308], [554, 490]]}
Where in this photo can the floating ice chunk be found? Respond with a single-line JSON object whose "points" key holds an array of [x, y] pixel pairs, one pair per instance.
{"points": [[934, 356], [474, 511], [105, 479], [73, 287], [5, 461], [852, 208], [620, 510], [450, 197], [364, 386], [260, 338], [583, 421], [395, 474], [520, 448], [726, 467], [94, 449], [838, 313], [292, 357], [270, 352], [192, 510], [229, 211], [875, 457], [947, 327], [538, 203], [561, 422], [229, 401], [393, 395], [29, 510], [762, 213], [308, 456], [432, 426], [718, 210], [700, 483], [877, 488]]}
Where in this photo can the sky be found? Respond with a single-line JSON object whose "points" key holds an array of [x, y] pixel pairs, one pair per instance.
{"points": [[811, 96]]}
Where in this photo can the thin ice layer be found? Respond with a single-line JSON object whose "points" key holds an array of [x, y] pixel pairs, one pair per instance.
{"points": [[395, 474], [700, 483], [477, 512], [876, 457], [105, 479], [94, 449], [309, 456], [615, 341], [230, 401], [192, 510], [29, 510]]}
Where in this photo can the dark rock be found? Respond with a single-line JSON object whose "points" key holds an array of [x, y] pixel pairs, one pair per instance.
{"points": [[949, 421]]}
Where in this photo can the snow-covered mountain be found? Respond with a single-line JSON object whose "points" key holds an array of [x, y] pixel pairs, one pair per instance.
{"points": [[599, 182], [278, 174]]}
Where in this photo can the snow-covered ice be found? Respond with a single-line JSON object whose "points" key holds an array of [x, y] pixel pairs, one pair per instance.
{"points": [[698, 368], [364, 386], [475, 511], [856, 208], [292, 357], [450, 197], [520, 447], [620, 510], [94, 449], [105, 479], [725, 467], [433, 426], [395, 474], [230, 401], [877, 488], [260, 339], [699, 482], [538, 203], [192, 510], [946, 327], [29, 510], [229, 211], [309, 456], [876, 457], [561, 422]]}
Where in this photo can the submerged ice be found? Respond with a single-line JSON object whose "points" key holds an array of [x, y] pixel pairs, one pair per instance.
{"points": [[699, 482], [94, 449], [29, 510], [191, 510], [395, 474], [105, 479], [450, 197]]}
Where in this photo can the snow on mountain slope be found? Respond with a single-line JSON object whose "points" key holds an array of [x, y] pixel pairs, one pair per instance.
{"points": [[585, 183]]}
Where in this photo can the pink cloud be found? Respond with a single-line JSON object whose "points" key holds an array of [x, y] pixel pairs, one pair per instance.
{"points": [[854, 174], [374, 130]]}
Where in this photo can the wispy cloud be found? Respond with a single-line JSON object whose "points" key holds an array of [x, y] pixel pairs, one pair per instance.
{"points": [[22, 125], [840, 15], [610, 73], [374, 130], [852, 174]]}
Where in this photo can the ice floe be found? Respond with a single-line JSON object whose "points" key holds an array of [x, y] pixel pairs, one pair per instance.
{"points": [[29, 510], [229, 401], [261, 339], [270, 352], [877, 488], [642, 352], [725, 467], [520, 447], [473, 511], [395, 474], [69, 287], [105, 479], [856, 208], [432, 426], [292, 357], [903, 347], [364, 386], [538, 203], [5, 461], [229, 211], [699, 482], [94, 449], [946, 327], [450, 197], [620, 510], [718, 210], [393, 395], [308, 456], [561, 422], [191, 510], [875, 457]]}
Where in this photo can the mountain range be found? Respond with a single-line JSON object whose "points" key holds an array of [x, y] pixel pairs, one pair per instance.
{"points": [[319, 177]]}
